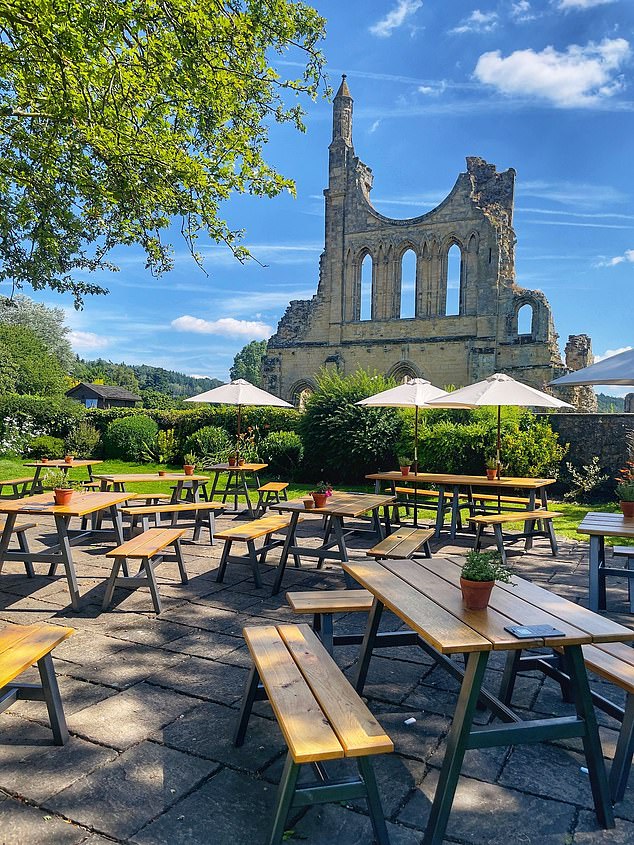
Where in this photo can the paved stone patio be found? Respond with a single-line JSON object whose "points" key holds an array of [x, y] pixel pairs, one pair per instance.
{"points": [[152, 702]]}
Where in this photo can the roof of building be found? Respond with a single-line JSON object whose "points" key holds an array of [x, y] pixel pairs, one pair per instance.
{"points": [[106, 391]]}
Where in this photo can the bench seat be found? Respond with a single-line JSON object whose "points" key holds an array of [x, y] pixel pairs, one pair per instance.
{"points": [[321, 718], [22, 646], [20, 529], [529, 518], [403, 543], [19, 487], [272, 491], [204, 515], [248, 533], [322, 604], [148, 547]]}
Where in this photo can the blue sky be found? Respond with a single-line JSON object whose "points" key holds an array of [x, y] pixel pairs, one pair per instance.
{"points": [[543, 86]]}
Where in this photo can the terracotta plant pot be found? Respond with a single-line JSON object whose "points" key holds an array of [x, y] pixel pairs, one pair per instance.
{"points": [[68, 459], [44, 460], [476, 594], [309, 504], [404, 471], [320, 499], [491, 474], [62, 496], [628, 509], [232, 462], [241, 462], [188, 469], [162, 472]]}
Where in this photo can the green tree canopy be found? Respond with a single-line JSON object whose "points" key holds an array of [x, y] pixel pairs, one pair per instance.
{"points": [[248, 362], [118, 116], [35, 371], [48, 324]]}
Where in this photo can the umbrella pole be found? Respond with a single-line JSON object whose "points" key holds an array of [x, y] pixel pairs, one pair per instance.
{"points": [[238, 437], [499, 449], [416, 468]]}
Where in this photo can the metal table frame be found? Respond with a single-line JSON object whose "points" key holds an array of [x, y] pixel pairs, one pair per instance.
{"points": [[236, 484], [612, 525]]}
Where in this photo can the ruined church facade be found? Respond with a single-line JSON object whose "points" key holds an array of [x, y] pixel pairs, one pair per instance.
{"points": [[356, 318]]}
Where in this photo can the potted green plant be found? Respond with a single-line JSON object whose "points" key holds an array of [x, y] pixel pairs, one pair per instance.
{"points": [[232, 459], [320, 495], [478, 576], [404, 464], [69, 459], [190, 463], [491, 465], [62, 487], [625, 492]]}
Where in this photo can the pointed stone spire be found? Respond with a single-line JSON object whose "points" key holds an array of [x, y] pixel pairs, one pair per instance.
{"points": [[342, 114]]}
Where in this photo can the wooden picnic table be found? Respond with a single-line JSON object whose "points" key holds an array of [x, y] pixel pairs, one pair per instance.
{"points": [[193, 484], [43, 504], [599, 526], [338, 507], [65, 466], [453, 483], [425, 594], [236, 483]]}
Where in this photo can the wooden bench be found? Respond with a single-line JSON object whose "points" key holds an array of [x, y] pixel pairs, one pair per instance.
{"points": [[271, 491], [20, 529], [204, 516], [529, 518], [323, 604], [149, 548], [628, 570], [248, 533], [321, 717], [427, 500], [19, 487], [614, 662], [403, 543], [22, 646]]}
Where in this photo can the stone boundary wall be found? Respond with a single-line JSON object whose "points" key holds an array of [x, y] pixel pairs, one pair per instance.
{"points": [[594, 434]]}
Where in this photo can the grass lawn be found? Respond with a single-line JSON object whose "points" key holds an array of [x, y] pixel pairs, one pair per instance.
{"points": [[565, 526]]}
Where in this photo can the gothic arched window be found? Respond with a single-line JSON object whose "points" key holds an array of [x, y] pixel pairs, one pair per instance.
{"points": [[454, 265], [408, 284], [365, 292]]}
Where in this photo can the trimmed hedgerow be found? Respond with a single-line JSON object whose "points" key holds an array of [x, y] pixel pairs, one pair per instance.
{"points": [[283, 451], [127, 439]]}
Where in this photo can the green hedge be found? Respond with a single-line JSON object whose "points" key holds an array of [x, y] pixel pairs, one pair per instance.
{"points": [[128, 439], [56, 416]]}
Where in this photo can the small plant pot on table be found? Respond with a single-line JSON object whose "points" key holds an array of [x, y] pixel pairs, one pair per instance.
{"points": [[478, 576]]}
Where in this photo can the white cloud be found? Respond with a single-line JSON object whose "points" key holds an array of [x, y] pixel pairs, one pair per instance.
{"points": [[395, 18], [477, 21], [627, 257], [580, 76], [610, 352], [199, 375], [226, 326], [374, 127], [522, 11], [582, 4], [86, 340]]}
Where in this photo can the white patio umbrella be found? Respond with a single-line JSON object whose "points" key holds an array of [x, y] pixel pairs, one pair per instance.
{"points": [[415, 393], [497, 390], [618, 369], [239, 392]]}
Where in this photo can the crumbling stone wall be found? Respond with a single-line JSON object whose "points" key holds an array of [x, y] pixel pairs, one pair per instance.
{"points": [[579, 355], [447, 348]]}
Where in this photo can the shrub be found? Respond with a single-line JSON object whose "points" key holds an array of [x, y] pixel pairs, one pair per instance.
{"points": [[163, 449], [211, 443], [83, 442], [283, 452], [344, 441], [127, 438], [57, 416], [46, 446]]}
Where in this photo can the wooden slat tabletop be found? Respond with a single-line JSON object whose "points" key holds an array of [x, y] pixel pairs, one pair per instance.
{"points": [[60, 462], [80, 505], [462, 480], [607, 525], [243, 468], [135, 477], [339, 504]]}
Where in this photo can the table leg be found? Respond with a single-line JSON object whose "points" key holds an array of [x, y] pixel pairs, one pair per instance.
{"points": [[440, 513], [455, 510], [61, 523], [214, 484], [6, 536], [53, 699], [243, 477], [593, 585], [367, 646], [290, 541], [457, 743], [376, 524], [36, 487]]}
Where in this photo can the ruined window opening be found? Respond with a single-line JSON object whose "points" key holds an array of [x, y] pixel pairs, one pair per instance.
{"points": [[454, 261], [490, 255], [365, 298], [525, 319], [408, 284]]}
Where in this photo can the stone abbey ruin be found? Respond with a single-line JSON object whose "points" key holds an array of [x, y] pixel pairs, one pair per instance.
{"points": [[360, 317]]}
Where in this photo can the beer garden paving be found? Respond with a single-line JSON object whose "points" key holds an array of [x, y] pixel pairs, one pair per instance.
{"points": [[152, 703]]}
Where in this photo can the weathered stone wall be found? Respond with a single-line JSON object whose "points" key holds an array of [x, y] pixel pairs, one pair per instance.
{"points": [[578, 355], [628, 404], [485, 335]]}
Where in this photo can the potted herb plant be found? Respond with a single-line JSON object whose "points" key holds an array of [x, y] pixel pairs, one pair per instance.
{"points": [[404, 464], [62, 487], [320, 495], [232, 459], [625, 492], [190, 463], [491, 465], [478, 576]]}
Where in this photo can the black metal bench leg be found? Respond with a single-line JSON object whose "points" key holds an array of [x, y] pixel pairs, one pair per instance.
{"points": [[550, 530], [507, 684], [179, 560], [148, 566], [374, 801], [369, 638], [248, 698], [23, 544], [478, 538], [326, 634], [253, 560], [499, 539], [622, 762], [223, 562], [285, 793], [53, 699], [573, 660], [110, 583]]}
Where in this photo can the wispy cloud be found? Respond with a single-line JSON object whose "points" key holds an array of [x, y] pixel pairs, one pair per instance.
{"points": [[522, 11], [577, 194], [610, 352], [582, 4], [561, 213], [253, 302], [579, 76], [83, 341], [477, 21], [395, 18], [374, 127], [226, 326], [627, 257]]}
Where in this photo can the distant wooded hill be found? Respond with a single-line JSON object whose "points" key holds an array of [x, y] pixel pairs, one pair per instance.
{"points": [[142, 377], [610, 404]]}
